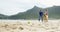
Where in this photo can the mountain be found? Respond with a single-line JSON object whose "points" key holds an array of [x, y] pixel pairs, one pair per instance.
{"points": [[3, 16], [54, 12], [33, 13], [29, 14]]}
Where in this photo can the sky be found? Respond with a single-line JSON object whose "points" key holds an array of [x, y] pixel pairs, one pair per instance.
{"points": [[11, 7]]}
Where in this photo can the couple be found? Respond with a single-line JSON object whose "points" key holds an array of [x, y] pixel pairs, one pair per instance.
{"points": [[43, 16]]}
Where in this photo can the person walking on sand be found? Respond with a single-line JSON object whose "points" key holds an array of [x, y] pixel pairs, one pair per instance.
{"points": [[40, 15], [46, 16]]}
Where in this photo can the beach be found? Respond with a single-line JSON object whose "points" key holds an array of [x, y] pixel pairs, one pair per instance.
{"points": [[29, 26]]}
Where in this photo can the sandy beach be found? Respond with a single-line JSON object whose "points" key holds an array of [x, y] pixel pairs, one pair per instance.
{"points": [[29, 26]]}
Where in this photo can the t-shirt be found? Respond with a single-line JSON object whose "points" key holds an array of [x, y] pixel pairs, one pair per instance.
{"points": [[46, 13], [41, 13]]}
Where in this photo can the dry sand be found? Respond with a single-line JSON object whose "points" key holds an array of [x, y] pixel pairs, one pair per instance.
{"points": [[29, 26]]}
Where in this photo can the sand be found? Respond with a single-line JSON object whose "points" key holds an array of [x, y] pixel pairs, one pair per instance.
{"points": [[29, 26]]}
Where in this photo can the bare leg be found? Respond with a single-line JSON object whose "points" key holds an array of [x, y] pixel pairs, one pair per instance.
{"points": [[39, 18], [42, 18]]}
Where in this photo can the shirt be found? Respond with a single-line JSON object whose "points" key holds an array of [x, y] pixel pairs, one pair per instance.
{"points": [[41, 13]]}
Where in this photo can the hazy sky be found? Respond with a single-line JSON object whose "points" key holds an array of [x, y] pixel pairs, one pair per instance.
{"points": [[10, 7]]}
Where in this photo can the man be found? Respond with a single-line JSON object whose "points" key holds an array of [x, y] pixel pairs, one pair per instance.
{"points": [[40, 15]]}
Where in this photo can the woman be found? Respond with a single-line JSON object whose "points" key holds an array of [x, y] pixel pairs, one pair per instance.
{"points": [[46, 16]]}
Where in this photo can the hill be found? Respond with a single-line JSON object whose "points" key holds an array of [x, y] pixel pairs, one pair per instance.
{"points": [[3, 16], [54, 12], [29, 14], [33, 13]]}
